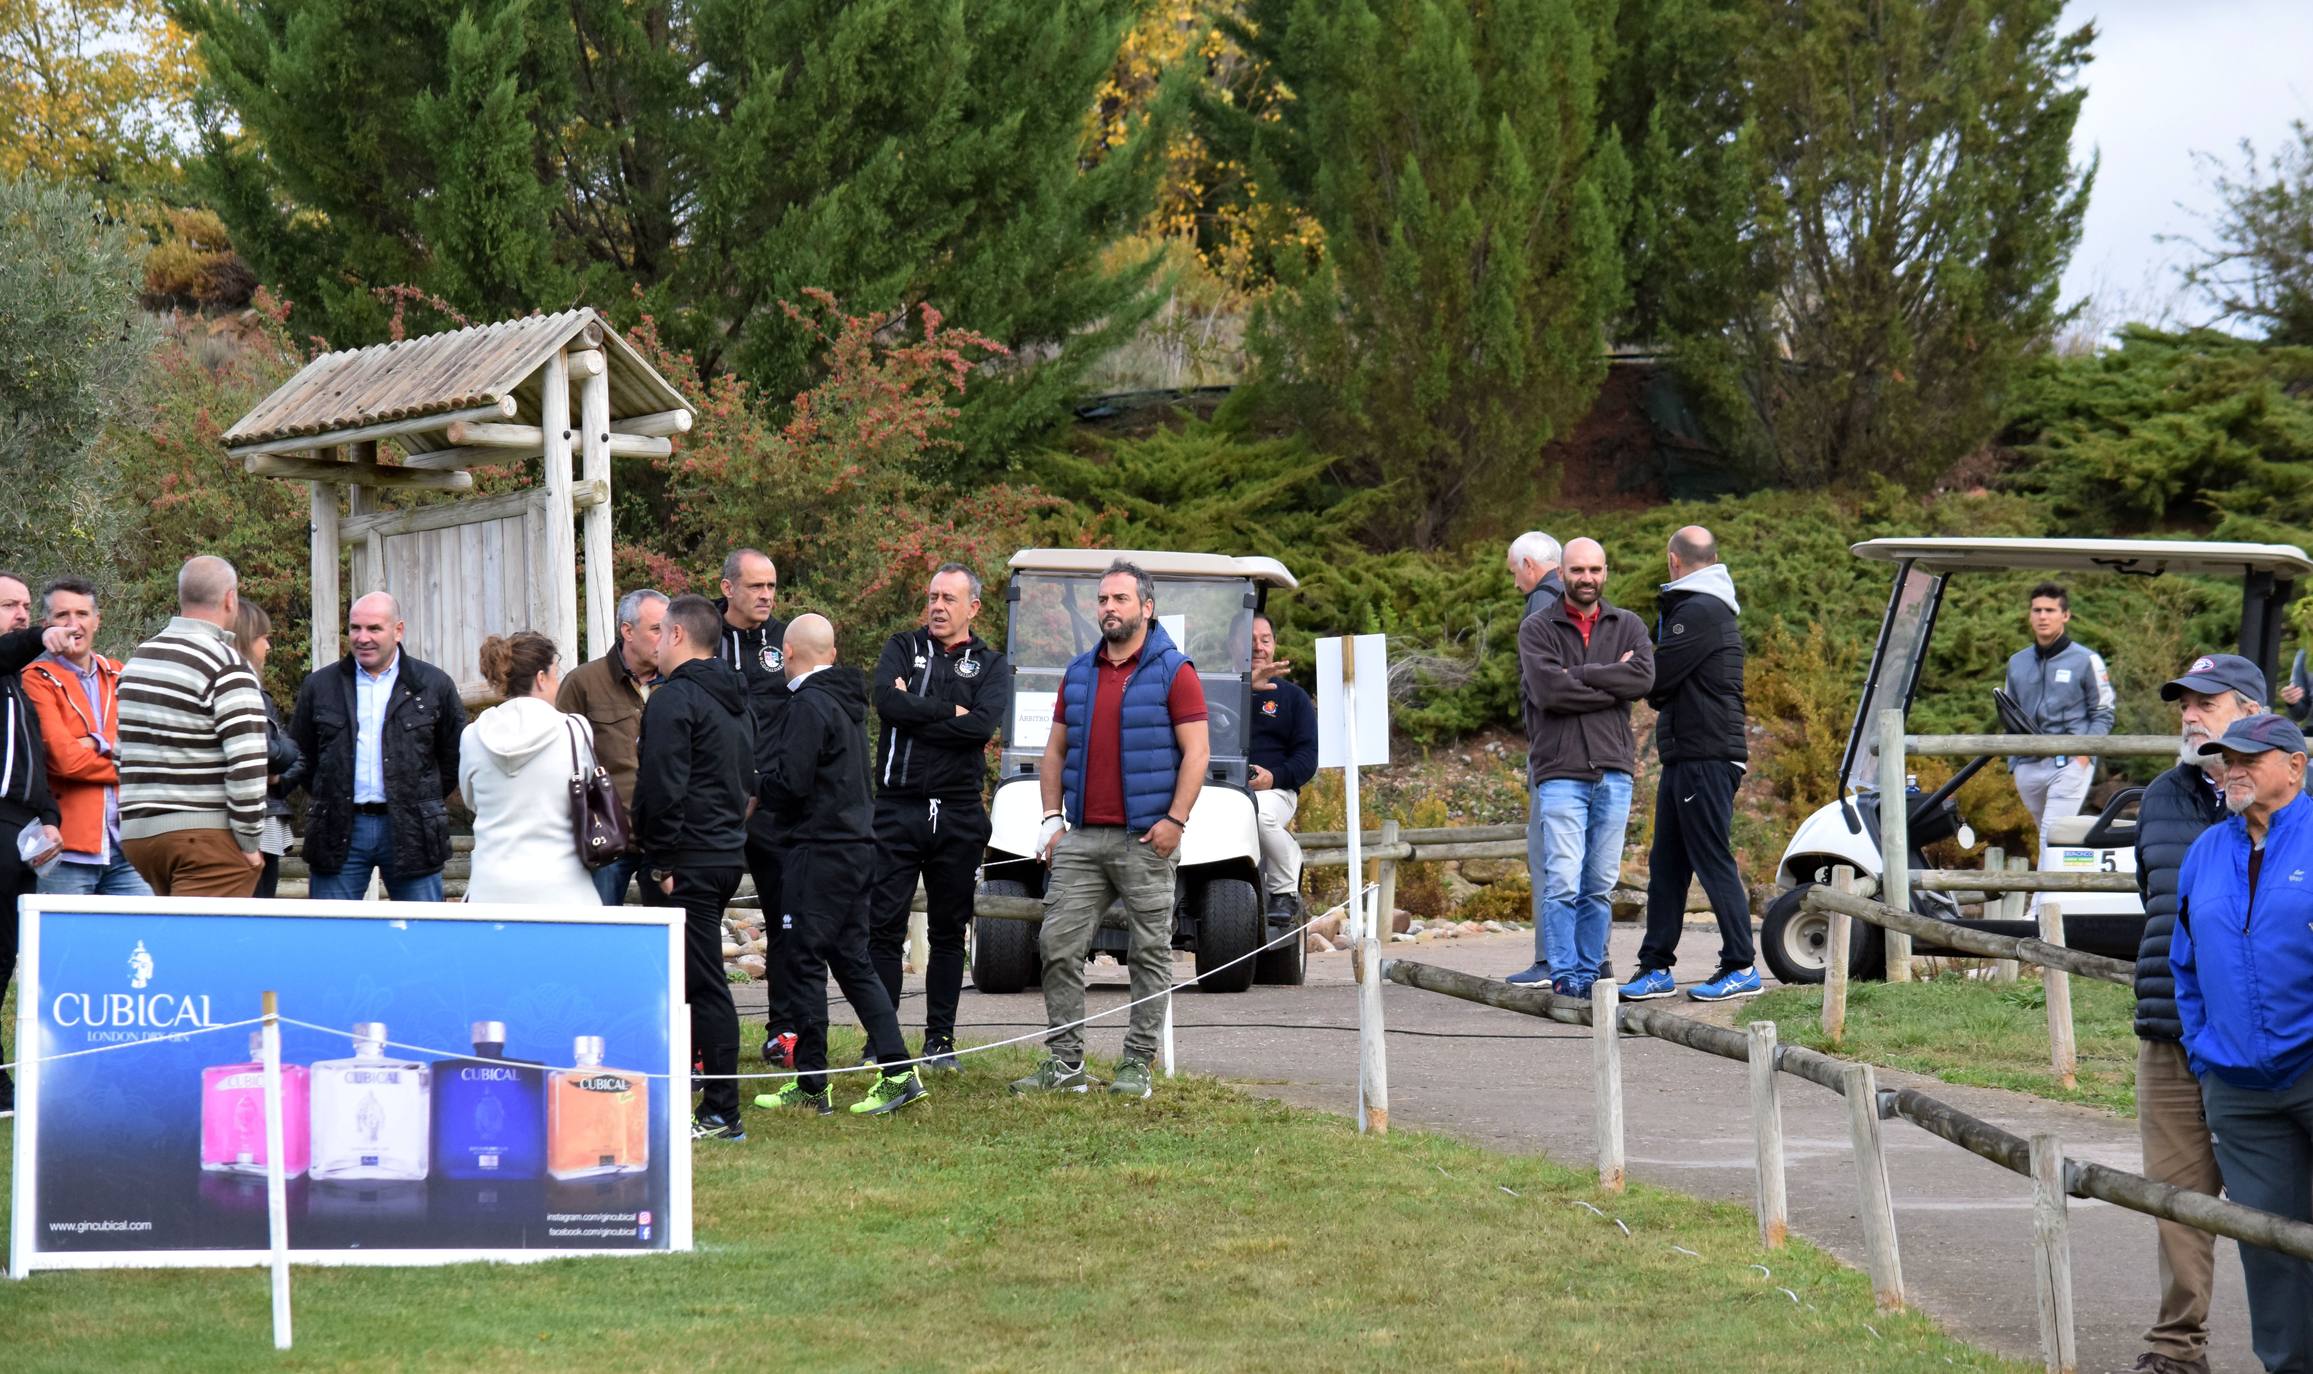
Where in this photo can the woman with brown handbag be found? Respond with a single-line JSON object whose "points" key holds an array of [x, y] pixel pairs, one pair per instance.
{"points": [[517, 766]]}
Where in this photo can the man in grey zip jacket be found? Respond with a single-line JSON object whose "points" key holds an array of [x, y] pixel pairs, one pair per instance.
{"points": [[2063, 689], [940, 695]]}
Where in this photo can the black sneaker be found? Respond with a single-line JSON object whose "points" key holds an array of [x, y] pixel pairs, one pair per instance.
{"points": [[940, 1055], [709, 1126]]}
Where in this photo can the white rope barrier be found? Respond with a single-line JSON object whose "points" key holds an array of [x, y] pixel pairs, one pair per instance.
{"points": [[132, 1044]]}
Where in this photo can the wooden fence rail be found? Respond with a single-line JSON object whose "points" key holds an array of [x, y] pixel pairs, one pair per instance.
{"points": [[1981, 944]]}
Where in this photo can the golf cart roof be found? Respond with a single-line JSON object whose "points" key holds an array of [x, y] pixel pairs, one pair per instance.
{"points": [[2144, 557], [1154, 563]]}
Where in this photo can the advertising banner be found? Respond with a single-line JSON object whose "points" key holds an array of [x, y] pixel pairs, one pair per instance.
{"points": [[471, 1082]]}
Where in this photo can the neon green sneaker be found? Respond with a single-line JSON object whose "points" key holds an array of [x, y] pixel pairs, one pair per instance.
{"points": [[1132, 1079], [793, 1095], [1052, 1076], [891, 1092]]}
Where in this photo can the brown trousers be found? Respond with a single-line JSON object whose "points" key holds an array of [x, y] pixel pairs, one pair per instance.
{"points": [[2177, 1150], [193, 863]]}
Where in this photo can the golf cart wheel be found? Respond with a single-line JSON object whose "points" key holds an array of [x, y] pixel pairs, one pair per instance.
{"points": [[1229, 927], [1004, 953], [1282, 965], [1796, 942]]}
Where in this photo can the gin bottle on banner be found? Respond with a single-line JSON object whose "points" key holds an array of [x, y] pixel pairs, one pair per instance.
{"points": [[489, 1118], [598, 1120], [233, 1115], [370, 1112]]}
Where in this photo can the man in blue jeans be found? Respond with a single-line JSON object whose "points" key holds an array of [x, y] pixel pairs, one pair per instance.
{"points": [[1581, 664], [381, 732]]}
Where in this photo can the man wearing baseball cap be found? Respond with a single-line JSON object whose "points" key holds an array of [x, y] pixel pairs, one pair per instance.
{"points": [[2243, 959], [2214, 691]]}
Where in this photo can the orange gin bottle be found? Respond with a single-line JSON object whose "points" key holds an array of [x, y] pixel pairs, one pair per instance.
{"points": [[598, 1120]]}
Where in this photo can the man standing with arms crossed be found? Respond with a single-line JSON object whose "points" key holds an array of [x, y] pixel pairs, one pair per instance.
{"points": [[1123, 767], [2215, 691], [941, 694], [753, 645]]}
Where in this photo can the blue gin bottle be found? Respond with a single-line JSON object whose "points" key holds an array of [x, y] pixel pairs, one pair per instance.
{"points": [[489, 1117]]}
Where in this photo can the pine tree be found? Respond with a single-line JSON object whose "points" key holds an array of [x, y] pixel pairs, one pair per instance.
{"points": [[1471, 209], [2256, 266]]}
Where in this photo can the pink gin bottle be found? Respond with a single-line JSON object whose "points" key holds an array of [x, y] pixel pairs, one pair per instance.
{"points": [[233, 1115]]}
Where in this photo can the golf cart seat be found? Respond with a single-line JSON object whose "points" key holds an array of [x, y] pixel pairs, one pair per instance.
{"points": [[2072, 829]]}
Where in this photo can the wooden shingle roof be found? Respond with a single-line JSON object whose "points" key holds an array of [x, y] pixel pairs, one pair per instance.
{"points": [[492, 365]]}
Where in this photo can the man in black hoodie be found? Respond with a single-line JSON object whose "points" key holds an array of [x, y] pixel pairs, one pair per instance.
{"points": [[24, 794], [751, 642], [816, 792], [941, 693], [694, 774]]}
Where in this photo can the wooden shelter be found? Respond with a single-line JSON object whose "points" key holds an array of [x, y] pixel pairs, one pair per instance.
{"points": [[485, 396]]}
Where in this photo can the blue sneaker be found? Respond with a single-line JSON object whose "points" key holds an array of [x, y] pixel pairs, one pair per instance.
{"points": [[1729, 985], [1535, 974], [1649, 984], [1572, 985]]}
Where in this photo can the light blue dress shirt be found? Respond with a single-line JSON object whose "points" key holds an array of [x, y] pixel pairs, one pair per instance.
{"points": [[371, 696]]}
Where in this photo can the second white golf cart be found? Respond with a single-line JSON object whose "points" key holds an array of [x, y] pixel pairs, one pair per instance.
{"points": [[1206, 602], [1793, 940]]}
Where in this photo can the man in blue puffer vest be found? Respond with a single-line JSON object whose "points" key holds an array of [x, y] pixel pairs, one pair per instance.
{"points": [[1122, 768], [2243, 958]]}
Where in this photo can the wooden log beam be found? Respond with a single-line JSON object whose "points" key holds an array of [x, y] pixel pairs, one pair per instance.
{"points": [[502, 442], [657, 424], [1875, 1201], [2052, 1256], [2056, 985], [1772, 1204], [586, 362], [2027, 880], [1527, 1001], [308, 470], [583, 496], [2044, 746], [1436, 834], [384, 429], [1894, 840], [1982, 944]]}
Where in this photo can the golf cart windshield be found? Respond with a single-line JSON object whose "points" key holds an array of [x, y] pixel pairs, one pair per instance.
{"points": [[1054, 618]]}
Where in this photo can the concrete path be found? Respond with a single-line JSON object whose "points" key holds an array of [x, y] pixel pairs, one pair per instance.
{"points": [[1964, 1224]]}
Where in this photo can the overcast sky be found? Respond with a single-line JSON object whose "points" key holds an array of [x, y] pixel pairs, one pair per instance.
{"points": [[2171, 78]]}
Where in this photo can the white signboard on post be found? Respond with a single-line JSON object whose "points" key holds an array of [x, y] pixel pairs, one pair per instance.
{"points": [[1371, 727]]}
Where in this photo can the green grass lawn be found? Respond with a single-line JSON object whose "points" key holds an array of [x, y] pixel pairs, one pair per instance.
{"points": [[1204, 1229], [1965, 1030]]}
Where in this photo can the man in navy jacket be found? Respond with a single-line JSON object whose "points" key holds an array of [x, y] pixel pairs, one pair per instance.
{"points": [[2243, 958], [1282, 757]]}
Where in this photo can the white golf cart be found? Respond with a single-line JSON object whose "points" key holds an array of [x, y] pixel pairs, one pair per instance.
{"points": [[1793, 941], [1206, 602]]}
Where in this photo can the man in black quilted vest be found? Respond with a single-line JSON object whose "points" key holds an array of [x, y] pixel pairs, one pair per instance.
{"points": [[2215, 691]]}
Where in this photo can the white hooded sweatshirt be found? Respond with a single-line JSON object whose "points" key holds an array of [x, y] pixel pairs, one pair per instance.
{"points": [[514, 767]]}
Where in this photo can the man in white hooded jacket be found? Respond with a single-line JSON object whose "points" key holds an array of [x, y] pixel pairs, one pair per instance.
{"points": [[1701, 736]]}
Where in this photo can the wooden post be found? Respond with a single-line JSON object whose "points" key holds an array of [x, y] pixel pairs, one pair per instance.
{"points": [[2052, 1255], [560, 573], [1894, 840], [1385, 882], [594, 446], [2063, 1056], [1875, 1204], [1767, 1138], [328, 606], [2013, 908], [1836, 955], [1606, 1065]]}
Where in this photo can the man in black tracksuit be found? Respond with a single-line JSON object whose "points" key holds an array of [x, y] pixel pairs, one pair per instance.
{"points": [[751, 642], [24, 794], [815, 790], [2215, 691], [694, 773], [941, 694], [1702, 740]]}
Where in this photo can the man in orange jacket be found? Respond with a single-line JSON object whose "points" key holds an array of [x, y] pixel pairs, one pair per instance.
{"points": [[75, 694]]}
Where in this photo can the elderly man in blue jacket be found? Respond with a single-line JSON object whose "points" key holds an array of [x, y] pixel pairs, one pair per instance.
{"points": [[2243, 957]]}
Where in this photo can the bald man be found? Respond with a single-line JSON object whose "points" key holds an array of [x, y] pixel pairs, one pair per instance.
{"points": [[814, 792], [379, 731], [192, 747]]}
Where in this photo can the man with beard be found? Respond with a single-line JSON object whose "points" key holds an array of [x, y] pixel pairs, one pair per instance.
{"points": [[2214, 691], [1121, 770], [2243, 959], [752, 643], [815, 795], [1582, 662]]}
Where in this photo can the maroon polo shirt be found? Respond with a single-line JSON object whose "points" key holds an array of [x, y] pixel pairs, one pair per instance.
{"points": [[1104, 747]]}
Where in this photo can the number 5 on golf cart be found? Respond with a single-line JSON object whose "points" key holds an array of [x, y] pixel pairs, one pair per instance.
{"points": [[1207, 603]]}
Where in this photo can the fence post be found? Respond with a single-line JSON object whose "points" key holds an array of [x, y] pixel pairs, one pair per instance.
{"points": [[1835, 958], [1606, 1064], [1894, 839], [1385, 884], [1767, 1137], [1995, 903], [1875, 1204], [2052, 1255], [2007, 970], [2064, 1058]]}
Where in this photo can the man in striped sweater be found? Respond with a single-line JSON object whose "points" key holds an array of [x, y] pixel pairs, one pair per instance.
{"points": [[192, 747]]}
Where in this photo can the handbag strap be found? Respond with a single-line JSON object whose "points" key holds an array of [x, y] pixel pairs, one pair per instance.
{"points": [[576, 772]]}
